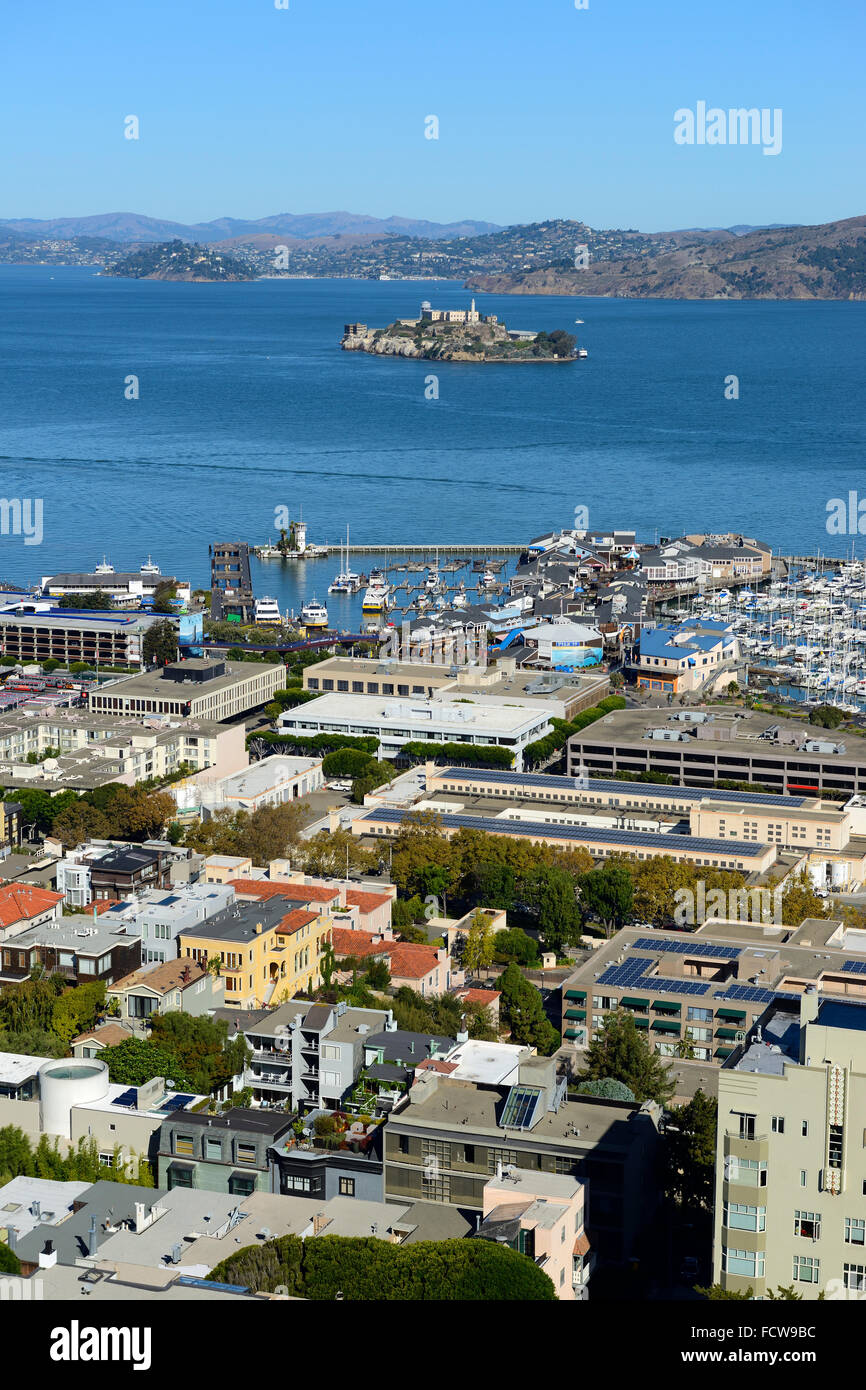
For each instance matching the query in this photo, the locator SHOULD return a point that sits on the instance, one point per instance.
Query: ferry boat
(267, 613)
(375, 598)
(314, 615)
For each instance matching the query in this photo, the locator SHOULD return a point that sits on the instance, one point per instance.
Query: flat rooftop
(153, 685)
(751, 731)
(539, 782)
(384, 711)
(238, 922)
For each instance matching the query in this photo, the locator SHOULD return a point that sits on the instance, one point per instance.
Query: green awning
(641, 1023)
(572, 1033)
(575, 994)
(724, 1051)
(630, 1003)
(726, 1033)
(661, 1026)
(579, 1014)
(731, 1013)
(667, 1005)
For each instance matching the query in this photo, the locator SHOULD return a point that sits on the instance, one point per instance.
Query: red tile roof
(479, 996)
(299, 892)
(430, 1064)
(407, 960)
(21, 901)
(357, 943)
(367, 902)
(293, 921)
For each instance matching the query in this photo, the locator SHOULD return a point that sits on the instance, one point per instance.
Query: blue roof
(837, 1015)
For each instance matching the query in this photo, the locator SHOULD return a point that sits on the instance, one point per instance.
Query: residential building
(423, 968)
(175, 986)
(790, 1168)
(158, 917)
(94, 1042)
(23, 906)
(39, 632)
(308, 1055)
(450, 1136)
(269, 782)
(267, 948)
(201, 688)
(219, 1153)
(541, 1215)
(76, 947)
(698, 654)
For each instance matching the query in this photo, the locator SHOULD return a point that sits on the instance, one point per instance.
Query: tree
(478, 946)
(377, 975)
(515, 944)
(620, 1052)
(160, 643)
(550, 891)
(328, 855)
(79, 823)
(608, 1089)
(799, 900)
(521, 1007)
(608, 893)
(690, 1152)
(9, 1262)
(716, 1293)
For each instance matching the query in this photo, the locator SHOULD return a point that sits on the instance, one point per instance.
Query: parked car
(689, 1269)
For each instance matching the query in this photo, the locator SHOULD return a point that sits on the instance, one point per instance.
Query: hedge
(365, 1268)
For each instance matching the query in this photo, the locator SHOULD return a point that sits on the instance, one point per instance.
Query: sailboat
(346, 582)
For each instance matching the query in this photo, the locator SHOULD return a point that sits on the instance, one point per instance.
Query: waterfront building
(201, 688)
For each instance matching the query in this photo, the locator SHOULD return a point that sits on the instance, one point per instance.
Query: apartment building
(201, 688)
(219, 1153)
(791, 1162)
(79, 749)
(700, 747)
(37, 632)
(23, 905)
(308, 1055)
(75, 947)
(159, 917)
(267, 948)
(270, 782)
(699, 993)
(452, 1135)
(542, 1216)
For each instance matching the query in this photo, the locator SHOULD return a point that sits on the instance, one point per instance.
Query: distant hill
(178, 260)
(134, 227)
(823, 262)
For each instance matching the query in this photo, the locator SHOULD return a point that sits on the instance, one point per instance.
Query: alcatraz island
(460, 335)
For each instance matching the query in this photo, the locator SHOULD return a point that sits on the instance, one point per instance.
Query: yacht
(487, 578)
(346, 582)
(104, 568)
(150, 568)
(267, 613)
(314, 614)
(375, 598)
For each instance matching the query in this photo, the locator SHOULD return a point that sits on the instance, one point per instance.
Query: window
(807, 1224)
(750, 1172)
(854, 1276)
(855, 1230)
(347, 1187)
(213, 1149)
(330, 1053)
(106, 1160)
(834, 1154)
(747, 1124)
(747, 1262)
(183, 1144)
(806, 1269)
(468, 1153)
(804, 1178)
(697, 1015)
(246, 1153)
(745, 1218)
(778, 1124)
(242, 1186)
(804, 1130)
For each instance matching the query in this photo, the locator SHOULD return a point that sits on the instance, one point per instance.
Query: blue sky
(544, 110)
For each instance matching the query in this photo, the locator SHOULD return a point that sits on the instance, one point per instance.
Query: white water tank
(62, 1084)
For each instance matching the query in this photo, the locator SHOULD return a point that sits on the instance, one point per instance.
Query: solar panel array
(546, 781)
(129, 1098)
(752, 994)
(678, 986)
(582, 834)
(683, 948)
(176, 1103)
(631, 970)
(855, 967)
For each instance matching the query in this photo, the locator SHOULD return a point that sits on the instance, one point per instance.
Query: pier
(271, 552)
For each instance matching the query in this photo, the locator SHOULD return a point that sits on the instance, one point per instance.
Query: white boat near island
(314, 615)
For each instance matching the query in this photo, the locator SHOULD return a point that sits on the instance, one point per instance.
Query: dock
(471, 548)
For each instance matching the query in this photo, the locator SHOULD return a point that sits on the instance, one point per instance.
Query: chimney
(808, 1005)
(92, 1237)
(12, 1237)
(390, 1022)
(47, 1256)
(258, 928)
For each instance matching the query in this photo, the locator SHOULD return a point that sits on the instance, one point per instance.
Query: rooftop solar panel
(855, 967)
(547, 782)
(583, 834)
(176, 1103)
(686, 948)
(128, 1098)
